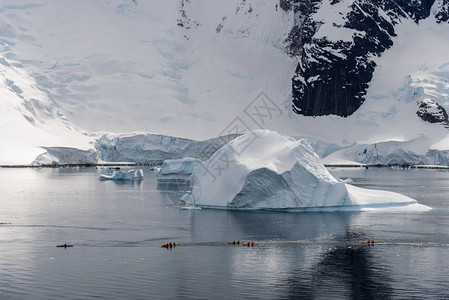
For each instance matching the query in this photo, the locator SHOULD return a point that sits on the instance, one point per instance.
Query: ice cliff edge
(265, 170)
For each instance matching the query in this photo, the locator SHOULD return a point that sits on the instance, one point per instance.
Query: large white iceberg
(265, 170)
(177, 170)
(122, 175)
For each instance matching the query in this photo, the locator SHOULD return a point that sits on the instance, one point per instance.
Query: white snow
(265, 170)
(333, 18)
(123, 175)
(146, 73)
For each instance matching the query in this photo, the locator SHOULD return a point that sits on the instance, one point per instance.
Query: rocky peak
(430, 111)
(336, 42)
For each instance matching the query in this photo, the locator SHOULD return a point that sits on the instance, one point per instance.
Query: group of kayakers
(248, 244)
(252, 244)
(170, 245)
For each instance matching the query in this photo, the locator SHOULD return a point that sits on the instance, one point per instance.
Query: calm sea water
(118, 230)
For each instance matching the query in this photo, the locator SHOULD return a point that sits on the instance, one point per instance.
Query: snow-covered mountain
(30, 118)
(340, 42)
(348, 74)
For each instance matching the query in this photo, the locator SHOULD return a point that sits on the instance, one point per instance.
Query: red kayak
(170, 245)
(234, 243)
(64, 246)
(369, 242)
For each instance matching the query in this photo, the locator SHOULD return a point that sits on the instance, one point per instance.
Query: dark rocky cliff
(332, 76)
(432, 112)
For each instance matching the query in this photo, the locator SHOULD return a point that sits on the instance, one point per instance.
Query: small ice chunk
(190, 207)
(177, 170)
(187, 198)
(348, 181)
(121, 175)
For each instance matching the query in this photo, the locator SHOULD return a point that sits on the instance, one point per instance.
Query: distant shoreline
(118, 164)
(387, 166)
(158, 164)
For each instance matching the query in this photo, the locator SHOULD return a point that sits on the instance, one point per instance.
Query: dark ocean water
(117, 230)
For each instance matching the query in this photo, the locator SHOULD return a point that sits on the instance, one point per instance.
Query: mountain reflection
(351, 271)
(301, 254)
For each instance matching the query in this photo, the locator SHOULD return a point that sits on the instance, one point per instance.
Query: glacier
(265, 170)
(146, 148)
(136, 148)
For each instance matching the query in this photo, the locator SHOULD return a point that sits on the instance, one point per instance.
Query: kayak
(234, 243)
(64, 246)
(370, 243)
(249, 244)
(170, 246)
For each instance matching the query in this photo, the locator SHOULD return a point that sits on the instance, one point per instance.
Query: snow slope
(30, 119)
(265, 170)
(416, 69)
(124, 66)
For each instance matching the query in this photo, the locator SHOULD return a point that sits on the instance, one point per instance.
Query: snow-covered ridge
(391, 153)
(29, 118)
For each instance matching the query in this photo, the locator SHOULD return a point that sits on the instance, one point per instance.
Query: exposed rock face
(336, 42)
(184, 20)
(442, 10)
(430, 111)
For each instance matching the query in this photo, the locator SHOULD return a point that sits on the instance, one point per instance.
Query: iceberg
(121, 175)
(177, 170)
(265, 170)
